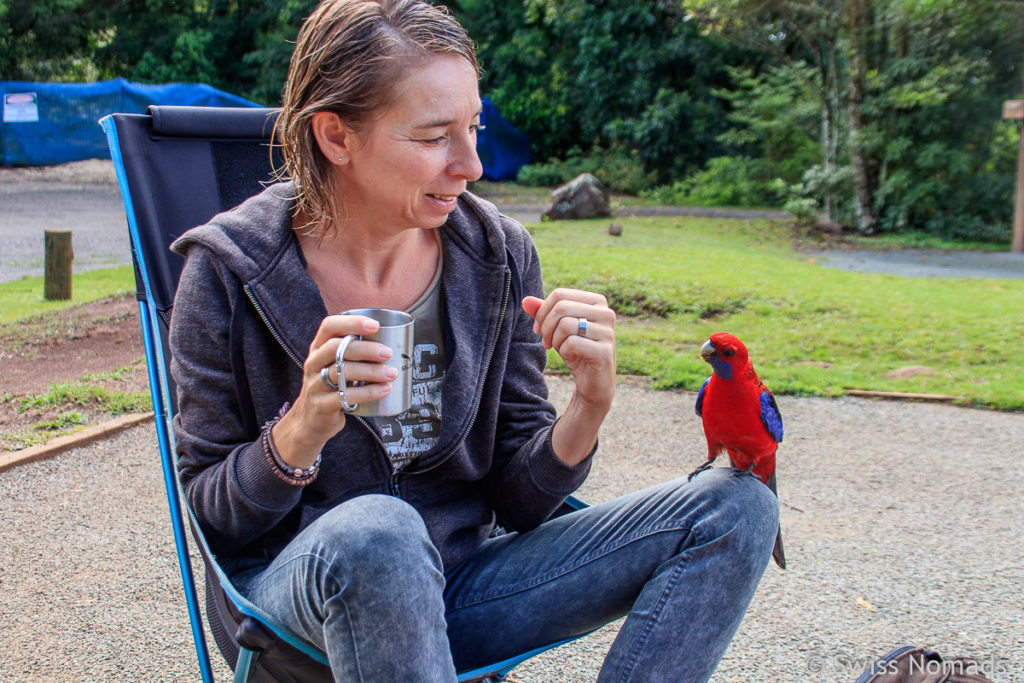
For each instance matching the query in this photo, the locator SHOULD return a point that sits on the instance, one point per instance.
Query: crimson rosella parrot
(740, 415)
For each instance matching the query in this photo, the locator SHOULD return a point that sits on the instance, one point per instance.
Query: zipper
(298, 362)
(382, 449)
(480, 391)
(266, 321)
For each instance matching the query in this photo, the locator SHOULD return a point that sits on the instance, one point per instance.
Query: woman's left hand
(588, 350)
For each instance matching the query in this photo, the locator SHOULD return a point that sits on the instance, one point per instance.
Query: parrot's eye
(728, 352)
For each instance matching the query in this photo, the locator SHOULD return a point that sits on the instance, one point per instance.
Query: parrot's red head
(726, 354)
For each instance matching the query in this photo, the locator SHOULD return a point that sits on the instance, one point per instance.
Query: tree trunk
(830, 109)
(858, 75)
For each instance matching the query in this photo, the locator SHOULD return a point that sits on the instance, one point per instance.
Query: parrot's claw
(708, 464)
(738, 472)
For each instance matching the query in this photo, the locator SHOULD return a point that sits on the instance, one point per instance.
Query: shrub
(620, 170)
(727, 181)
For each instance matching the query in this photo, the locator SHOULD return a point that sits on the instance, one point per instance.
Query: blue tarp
(502, 148)
(54, 123)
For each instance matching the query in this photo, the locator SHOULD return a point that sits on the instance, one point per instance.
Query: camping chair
(177, 167)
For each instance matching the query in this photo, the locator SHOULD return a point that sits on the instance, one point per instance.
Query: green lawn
(22, 299)
(810, 330)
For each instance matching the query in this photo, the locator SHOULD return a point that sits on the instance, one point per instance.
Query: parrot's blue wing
(770, 416)
(700, 397)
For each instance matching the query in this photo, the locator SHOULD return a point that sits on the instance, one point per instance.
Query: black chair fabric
(179, 178)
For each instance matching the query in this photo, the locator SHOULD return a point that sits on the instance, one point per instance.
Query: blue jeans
(681, 560)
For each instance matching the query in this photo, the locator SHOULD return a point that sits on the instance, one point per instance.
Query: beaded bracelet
(296, 476)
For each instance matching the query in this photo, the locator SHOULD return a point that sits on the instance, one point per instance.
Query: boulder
(582, 197)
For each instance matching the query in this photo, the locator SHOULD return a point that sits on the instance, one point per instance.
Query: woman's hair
(348, 57)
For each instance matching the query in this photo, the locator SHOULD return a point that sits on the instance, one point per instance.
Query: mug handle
(339, 365)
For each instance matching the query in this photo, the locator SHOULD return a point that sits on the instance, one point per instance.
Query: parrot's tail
(778, 554)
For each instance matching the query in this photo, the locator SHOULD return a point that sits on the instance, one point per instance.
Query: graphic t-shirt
(415, 431)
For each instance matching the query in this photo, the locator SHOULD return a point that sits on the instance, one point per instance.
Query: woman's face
(412, 162)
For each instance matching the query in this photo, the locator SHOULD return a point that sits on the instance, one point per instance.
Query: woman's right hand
(316, 415)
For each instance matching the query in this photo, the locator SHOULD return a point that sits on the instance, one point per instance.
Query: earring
(341, 160)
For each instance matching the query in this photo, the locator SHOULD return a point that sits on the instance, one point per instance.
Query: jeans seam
(634, 654)
(618, 543)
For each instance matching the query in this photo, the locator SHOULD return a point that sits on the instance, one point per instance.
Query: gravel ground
(926, 262)
(902, 521)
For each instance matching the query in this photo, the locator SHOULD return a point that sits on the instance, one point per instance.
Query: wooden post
(57, 267)
(1014, 109)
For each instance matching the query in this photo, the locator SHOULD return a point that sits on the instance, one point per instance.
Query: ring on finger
(581, 328)
(325, 377)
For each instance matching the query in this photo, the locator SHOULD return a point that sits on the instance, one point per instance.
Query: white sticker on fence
(21, 107)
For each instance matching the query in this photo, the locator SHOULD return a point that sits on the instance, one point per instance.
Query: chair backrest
(182, 166)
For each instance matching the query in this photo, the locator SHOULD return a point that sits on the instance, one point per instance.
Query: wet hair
(348, 57)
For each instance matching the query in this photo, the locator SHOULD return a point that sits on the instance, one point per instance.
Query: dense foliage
(634, 78)
(884, 115)
(909, 94)
(238, 46)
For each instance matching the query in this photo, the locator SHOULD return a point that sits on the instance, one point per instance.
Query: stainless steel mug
(395, 332)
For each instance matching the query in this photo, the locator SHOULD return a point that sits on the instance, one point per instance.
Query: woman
(384, 542)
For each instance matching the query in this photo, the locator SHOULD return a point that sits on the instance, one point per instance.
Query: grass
(23, 299)
(27, 318)
(810, 330)
(919, 240)
(68, 406)
(87, 391)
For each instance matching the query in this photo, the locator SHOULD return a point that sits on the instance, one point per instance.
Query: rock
(615, 229)
(582, 197)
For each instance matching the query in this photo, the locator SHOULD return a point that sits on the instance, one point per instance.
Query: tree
(575, 74)
(910, 90)
(234, 45)
(43, 40)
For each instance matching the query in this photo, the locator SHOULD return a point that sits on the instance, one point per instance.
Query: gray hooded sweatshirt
(244, 316)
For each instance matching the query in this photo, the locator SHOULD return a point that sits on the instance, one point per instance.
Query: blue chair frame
(177, 167)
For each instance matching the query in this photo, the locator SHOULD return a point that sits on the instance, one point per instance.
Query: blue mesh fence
(54, 123)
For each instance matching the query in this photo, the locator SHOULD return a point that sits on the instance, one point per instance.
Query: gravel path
(902, 520)
(926, 262)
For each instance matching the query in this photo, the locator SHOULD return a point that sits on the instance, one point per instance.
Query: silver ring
(581, 330)
(339, 365)
(325, 377)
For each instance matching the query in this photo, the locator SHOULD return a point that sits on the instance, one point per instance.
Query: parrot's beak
(707, 351)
